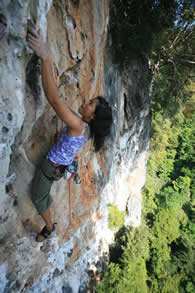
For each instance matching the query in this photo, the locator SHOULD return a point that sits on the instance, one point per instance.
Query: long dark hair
(101, 124)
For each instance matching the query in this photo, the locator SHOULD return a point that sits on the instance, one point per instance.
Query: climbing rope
(70, 204)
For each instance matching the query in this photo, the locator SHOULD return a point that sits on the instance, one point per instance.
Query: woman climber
(95, 122)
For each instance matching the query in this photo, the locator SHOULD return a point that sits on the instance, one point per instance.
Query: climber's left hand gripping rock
(36, 43)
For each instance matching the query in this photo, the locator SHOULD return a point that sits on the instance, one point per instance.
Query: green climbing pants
(44, 177)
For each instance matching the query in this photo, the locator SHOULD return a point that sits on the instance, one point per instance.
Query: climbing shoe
(44, 233)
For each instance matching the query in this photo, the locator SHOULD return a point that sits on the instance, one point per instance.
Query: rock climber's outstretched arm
(36, 43)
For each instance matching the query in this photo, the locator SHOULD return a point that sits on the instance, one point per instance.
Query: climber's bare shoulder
(71, 119)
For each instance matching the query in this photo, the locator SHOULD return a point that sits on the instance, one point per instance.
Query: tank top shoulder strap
(84, 126)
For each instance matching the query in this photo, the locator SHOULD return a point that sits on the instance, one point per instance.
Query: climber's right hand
(36, 43)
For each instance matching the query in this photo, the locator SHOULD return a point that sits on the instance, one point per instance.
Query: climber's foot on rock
(45, 233)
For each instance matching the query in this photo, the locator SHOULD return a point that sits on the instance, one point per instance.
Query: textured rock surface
(76, 33)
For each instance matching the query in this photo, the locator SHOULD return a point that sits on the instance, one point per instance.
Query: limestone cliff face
(76, 32)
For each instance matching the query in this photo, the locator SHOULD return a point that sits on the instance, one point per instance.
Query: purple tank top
(64, 151)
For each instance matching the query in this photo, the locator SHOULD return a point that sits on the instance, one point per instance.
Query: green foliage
(111, 279)
(130, 273)
(170, 187)
(172, 227)
(116, 218)
(135, 24)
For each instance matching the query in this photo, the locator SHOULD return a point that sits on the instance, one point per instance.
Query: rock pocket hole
(76, 2)
(3, 28)
(9, 117)
(32, 77)
(5, 129)
(15, 202)
(3, 19)
(8, 188)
